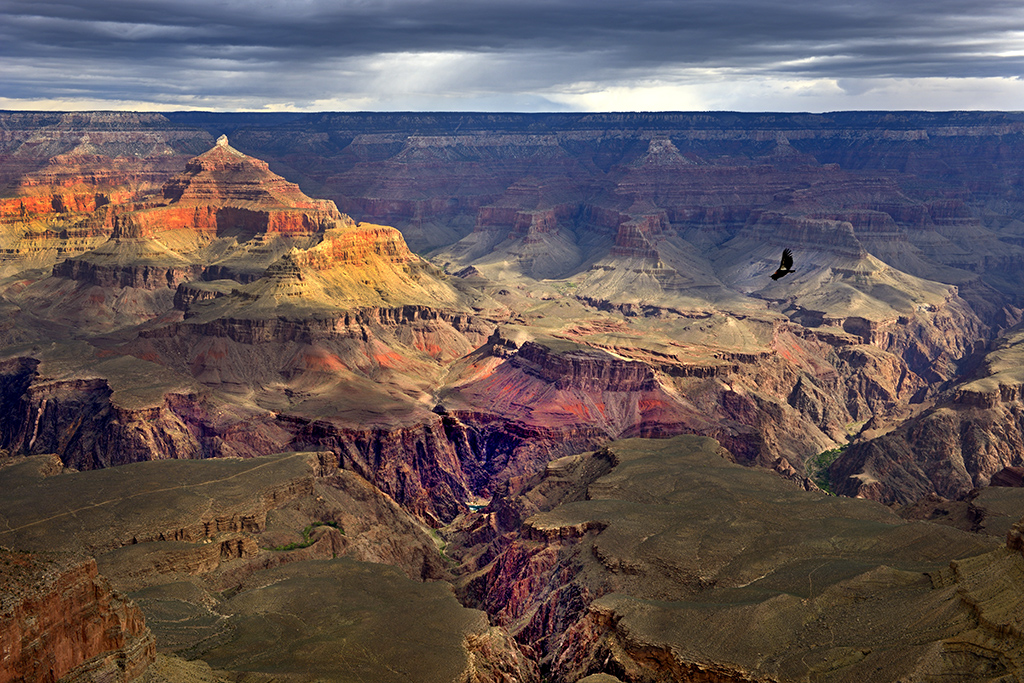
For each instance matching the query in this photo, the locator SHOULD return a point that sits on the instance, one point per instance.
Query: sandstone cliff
(60, 620)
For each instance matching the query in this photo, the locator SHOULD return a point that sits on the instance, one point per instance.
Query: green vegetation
(307, 536)
(442, 547)
(817, 467)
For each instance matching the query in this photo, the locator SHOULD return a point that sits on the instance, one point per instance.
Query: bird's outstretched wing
(787, 260)
(786, 267)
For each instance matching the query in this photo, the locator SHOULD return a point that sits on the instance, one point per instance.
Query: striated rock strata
(60, 620)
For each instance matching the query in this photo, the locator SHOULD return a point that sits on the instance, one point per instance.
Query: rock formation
(620, 554)
(971, 435)
(60, 620)
(203, 550)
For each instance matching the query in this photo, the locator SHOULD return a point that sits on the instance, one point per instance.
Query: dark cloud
(302, 51)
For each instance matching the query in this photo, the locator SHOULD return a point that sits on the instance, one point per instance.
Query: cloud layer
(518, 55)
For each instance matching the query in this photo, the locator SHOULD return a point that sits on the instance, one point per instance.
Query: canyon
(535, 365)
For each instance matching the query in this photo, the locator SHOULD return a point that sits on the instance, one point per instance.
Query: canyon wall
(60, 620)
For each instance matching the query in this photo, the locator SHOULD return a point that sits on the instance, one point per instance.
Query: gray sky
(512, 55)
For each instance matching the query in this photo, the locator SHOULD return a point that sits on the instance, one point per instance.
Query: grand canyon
(482, 398)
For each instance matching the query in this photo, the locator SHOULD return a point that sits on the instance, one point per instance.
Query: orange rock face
(60, 618)
(67, 207)
(224, 190)
(356, 246)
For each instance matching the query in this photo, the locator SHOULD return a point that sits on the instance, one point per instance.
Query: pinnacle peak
(222, 141)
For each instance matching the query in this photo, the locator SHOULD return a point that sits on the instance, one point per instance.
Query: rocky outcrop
(606, 582)
(583, 369)
(223, 175)
(355, 247)
(221, 193)
(585, 394)
(432, 469)
(635, 237)
(1008, 476)
(494, 657)
(116, 276)
(77, 419)
(971, 434)
(1015, 538)
(944, 451)
(60, 620)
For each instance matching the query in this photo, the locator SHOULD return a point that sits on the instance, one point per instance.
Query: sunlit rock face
(252, 197)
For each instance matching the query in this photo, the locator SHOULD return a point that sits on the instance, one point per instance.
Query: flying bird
(786, 267)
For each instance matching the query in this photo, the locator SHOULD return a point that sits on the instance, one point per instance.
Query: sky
(511, 55)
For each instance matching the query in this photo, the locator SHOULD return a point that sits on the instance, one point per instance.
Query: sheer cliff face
(61, 621)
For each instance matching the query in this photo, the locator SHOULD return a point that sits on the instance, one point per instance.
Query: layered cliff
(60, 620)
(222, 199)
(972, 432)
(594, 277)
(63, 175)
(204, 547)
(353, 329)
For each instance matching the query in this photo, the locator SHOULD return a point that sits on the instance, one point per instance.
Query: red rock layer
(223, 191)
(59, 618)
(81, 183)
(223, 174)
(636, 237)
(353, 247)
(215, 220)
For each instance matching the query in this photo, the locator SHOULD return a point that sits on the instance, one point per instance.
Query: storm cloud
(511, 54)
